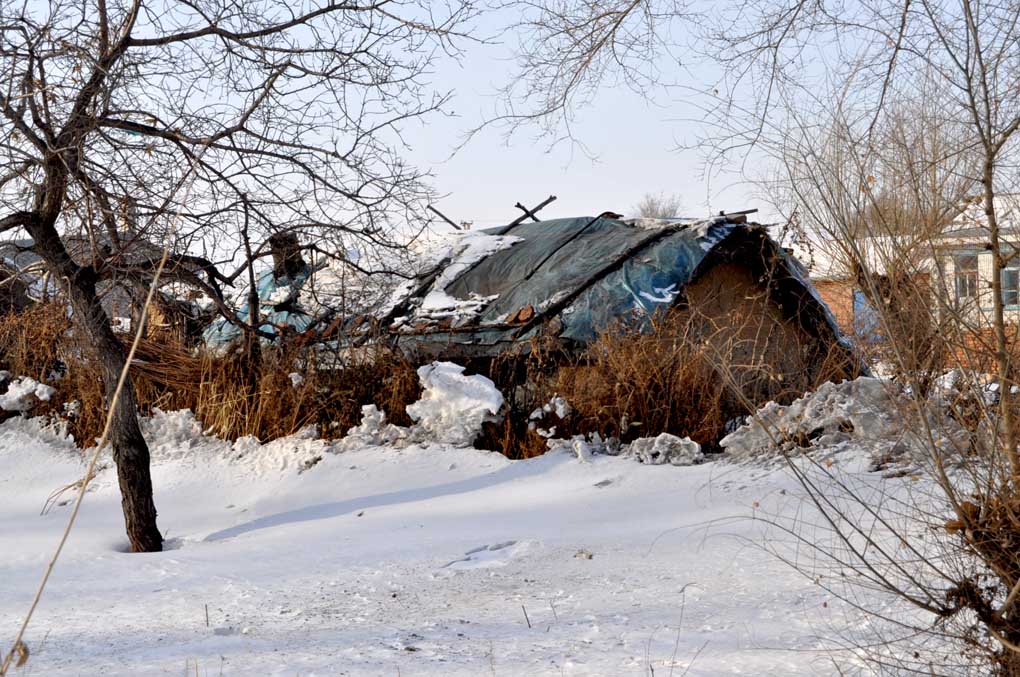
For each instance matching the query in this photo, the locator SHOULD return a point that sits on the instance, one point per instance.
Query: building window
(867, 323)
(966, 271)
(1011, 285)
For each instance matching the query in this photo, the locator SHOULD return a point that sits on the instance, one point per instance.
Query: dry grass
(689, 376)
(681, 378)
(627, 384)
(30, 340)
(232, 394)
(637, 385)
(232, 404)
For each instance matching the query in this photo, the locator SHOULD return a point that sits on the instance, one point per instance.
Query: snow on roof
(466, 249)
(971, 224)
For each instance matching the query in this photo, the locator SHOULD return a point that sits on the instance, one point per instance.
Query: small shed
(574, 278)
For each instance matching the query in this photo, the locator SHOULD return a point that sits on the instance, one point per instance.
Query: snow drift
(867, 412)
(23, 393)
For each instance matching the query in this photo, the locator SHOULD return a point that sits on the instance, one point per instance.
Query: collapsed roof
(585, 274)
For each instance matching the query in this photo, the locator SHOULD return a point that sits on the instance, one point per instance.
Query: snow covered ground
(290, 559)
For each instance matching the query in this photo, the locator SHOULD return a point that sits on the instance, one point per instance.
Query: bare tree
(272, 116)
(659, 206)
(571, 51)
(917, 116)
(827, 95)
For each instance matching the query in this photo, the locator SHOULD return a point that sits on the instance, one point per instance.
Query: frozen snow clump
(556, 405)
(585, 446)
(454, 406)
(870, 412)
(24, 393)
(373, 431)
(665, 449)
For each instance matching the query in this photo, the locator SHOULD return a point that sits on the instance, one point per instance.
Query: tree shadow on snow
(515, 471)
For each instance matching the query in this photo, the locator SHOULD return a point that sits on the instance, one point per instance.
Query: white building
(965, 261)
(957, 264)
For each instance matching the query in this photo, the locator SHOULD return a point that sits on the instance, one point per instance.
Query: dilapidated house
(488, 293)
(574, 278)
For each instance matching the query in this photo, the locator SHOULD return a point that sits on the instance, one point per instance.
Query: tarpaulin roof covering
(277, 308)
(556, 257)
(590, 272)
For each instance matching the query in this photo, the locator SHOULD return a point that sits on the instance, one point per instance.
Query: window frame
(1011, 270)
(965, 279)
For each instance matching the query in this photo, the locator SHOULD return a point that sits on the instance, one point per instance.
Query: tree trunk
(130, 452)
(252, 347)
(1002, 344)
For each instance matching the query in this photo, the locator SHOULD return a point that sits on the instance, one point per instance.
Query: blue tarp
(567, 259)
(867, 324)
(277, 307)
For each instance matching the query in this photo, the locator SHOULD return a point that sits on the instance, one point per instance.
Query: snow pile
(172, 434)
(955, 381)
(451, 411)
(299, 451)
(23, 393)
(454, 406)
(584, 446)
(177, 436)
(868, 412)
(373, 431)
(956, 385)
(665, 449)
(579, 445)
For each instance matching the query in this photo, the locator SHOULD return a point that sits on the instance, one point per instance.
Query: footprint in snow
(488, 556)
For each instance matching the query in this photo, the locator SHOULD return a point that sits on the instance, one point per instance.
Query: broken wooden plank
(529, 212)
(443, 216)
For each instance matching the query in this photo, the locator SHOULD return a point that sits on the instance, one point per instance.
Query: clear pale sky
(634, 143)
